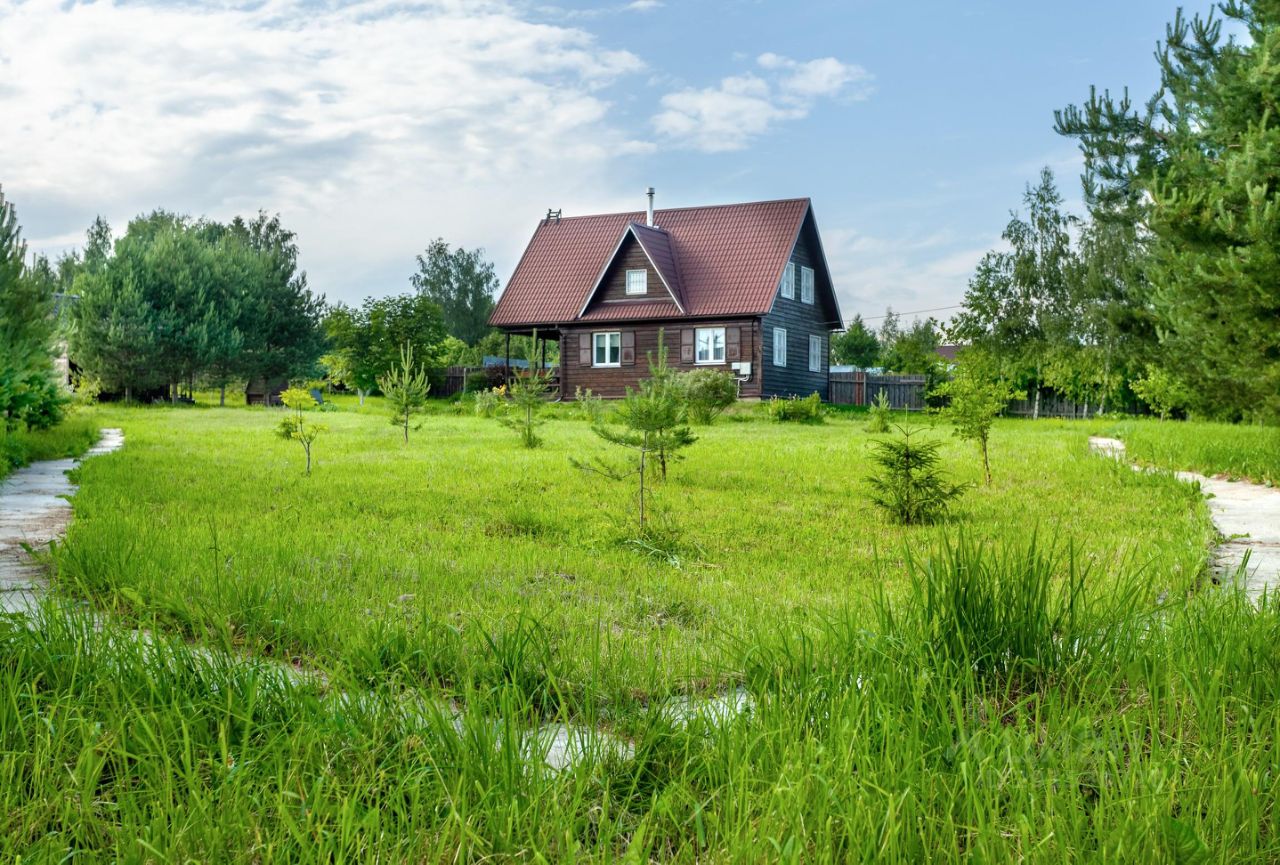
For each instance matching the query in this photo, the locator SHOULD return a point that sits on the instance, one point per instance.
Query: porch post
(506, 370)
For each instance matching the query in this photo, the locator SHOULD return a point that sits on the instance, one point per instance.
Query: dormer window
(787, 288)
(637, 281)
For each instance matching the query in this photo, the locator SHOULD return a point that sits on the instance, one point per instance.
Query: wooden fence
(905, 392)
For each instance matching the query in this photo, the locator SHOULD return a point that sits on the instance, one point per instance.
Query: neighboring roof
(719, 260)
(948, 352)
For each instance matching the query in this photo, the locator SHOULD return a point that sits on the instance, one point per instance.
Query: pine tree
(26, 327)
(405, 388)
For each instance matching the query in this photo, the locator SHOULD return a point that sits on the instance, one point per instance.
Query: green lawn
(924, 693)
(71, 438)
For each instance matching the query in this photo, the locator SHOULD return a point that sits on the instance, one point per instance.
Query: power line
(913, 312)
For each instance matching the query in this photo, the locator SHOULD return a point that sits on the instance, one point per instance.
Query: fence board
(905, 392)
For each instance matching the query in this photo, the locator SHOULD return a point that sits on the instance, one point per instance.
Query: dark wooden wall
(800, 320)
(614, 290)
(612, 382)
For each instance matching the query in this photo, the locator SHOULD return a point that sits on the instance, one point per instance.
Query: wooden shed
(262, 391)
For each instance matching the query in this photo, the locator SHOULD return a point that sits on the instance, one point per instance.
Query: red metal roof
(727, 260)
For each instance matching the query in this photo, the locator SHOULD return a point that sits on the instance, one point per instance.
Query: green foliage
(590, 406)
(490, 401)
(1163, 391)
(1192, 170)
(975, 397)
(910, 484)
(910, 352)
(406, 388)
(707, 393)
(880, 414)
(856, 346)
(175, 300)
(370, 338)
(794, 409)
(27, 392)
(295, 426)
(462, 283)
(527, 398)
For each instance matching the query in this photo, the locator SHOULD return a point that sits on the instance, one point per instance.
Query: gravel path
(1246, 515)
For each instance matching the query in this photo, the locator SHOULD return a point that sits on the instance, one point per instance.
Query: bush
(478, 381)
(911, 485)
(590, 407)
(47, 406)
(490, 401)
(707, 393)
(796, 410)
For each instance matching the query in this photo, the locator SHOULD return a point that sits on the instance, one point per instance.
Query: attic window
(787, 288)
(637, 281)
(806, 284)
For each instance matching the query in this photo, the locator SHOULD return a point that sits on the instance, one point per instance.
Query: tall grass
(1235, 450)
(1151, 735)
(72, 437)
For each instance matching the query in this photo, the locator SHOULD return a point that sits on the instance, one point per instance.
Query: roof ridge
(658, 210)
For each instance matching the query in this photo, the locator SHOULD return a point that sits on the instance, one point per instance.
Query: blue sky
(375, 126)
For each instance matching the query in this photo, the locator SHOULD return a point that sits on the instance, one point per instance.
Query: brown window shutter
(628, 348)
(686, 345)
(732, 343)
(584, 349)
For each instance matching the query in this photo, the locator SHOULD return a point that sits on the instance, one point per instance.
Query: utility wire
(913, 312)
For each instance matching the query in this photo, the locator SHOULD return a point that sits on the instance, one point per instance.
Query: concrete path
(1246, 515)
(34, 510)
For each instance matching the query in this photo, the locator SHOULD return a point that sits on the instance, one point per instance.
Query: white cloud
(908, 273)
(372, 126)
(741, 107)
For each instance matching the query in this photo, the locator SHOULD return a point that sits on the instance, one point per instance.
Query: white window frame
(787, 288)
(815, 353)
(779, 341)
(806, 284)
(697, 346)
(643, 281)
(612, 340)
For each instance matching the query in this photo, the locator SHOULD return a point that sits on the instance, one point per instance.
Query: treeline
(175, 302)
(1168, 289)
(29, 393)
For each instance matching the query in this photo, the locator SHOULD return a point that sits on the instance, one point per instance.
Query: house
(739, 287)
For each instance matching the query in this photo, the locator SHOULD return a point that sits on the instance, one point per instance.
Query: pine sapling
(406, 389)
(527, 395)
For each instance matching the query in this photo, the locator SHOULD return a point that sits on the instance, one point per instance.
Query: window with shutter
(733, 343)
(806, 284)
(584, 349)
(686, 345)
(779, 346)
(608, 348)
(710, 342)
(787, 288)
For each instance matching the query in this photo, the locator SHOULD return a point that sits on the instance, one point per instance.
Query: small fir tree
(881, 412)
(406, 389)
(911, 485)
(295, 427)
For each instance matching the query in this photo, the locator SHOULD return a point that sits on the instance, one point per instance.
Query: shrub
(478, 381)
(590, 406)
(881, 413)
(46, 406)
(491, 401)
(911, 485)
(707, 393)
(796, 410)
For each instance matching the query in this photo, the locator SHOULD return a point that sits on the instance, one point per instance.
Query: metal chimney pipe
(649, 192)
